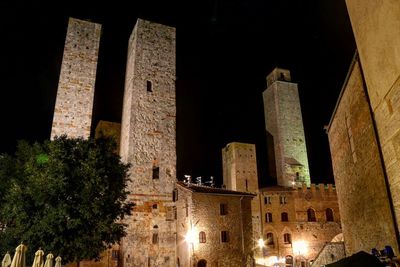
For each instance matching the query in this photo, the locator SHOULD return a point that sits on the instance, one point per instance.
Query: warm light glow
(190, 236)
(270, 261)
(300, 247)
(260, 243)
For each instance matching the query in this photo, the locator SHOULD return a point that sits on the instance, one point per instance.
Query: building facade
(298, 222)
(214, 227)
(376, 28)
(148, 144)
(75, 94)
(358, 169)
(284, 122)
(178, 224)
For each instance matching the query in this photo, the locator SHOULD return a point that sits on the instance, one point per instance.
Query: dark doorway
(202, 263)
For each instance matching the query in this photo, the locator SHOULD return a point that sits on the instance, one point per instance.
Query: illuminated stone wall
(296, 202)
(201, 212)
(376, 27)
(75, 94)
(148, 143)
(240, 173)
(363, 199)
(283, 120)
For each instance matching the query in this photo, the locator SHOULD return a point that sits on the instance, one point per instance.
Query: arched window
(284, 217)
(154, 239)
(268, 217)
(329, 215)
(289, 261)
(270, 239)
(311, 215)
(202, 237)
(287, 238)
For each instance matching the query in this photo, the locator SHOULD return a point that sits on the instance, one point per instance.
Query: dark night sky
(225, 49)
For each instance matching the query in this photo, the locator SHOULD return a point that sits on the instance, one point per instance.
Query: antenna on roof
(187, 179)
(198, 180)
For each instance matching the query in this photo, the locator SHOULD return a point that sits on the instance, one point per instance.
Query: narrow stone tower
(75, 94)
(148, 143)
(284, 122)
(239, 168)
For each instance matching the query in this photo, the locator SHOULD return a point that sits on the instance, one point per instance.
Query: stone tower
(148, 142)
(284, 122)
(239, 168)
(75, 94)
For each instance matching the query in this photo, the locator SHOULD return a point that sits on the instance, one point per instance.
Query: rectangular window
(223, 209)
(268, 217)
(149, 86)
(267, 200)
(282, 199)
(224, 236)
(170, 214)
(156, 172)
(247, 186)
(175, 195)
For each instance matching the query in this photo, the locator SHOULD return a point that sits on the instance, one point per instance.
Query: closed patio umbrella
(49, 260)
(38, 261)
(19, 256)
(6, 260)
(58, 262)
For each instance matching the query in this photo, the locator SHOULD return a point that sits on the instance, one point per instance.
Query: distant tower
(74, 102)
(239, 168)
(284, 122)
(148, 142)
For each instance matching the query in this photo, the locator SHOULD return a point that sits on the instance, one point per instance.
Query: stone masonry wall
(376, 27)
(148, 143)
(240, 174)
(74, 102)
(283, 120)
(296, 203)
(331, 253)
(363, 200)
(203, 214)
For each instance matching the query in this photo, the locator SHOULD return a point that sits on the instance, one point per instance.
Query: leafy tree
(67, 196)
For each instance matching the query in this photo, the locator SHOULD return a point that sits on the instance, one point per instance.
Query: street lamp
(261, 245)
(190, 238)
(300, 248)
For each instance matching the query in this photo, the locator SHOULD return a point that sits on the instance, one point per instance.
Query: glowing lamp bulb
(190, 236)
(261, 243)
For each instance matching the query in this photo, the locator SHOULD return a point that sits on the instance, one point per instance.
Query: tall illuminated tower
(148, 143)
(75, 94)
(283, 121)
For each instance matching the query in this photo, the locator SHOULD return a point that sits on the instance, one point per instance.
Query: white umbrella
(58, 262)
(49, 260)
(19, 256)
(38, 261)
(6, 260)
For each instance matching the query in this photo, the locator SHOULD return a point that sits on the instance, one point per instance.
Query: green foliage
(67, 196)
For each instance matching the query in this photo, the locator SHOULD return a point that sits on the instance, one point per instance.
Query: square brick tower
(148, 142)
(75, 94)
(283, 120)
(239, 168)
